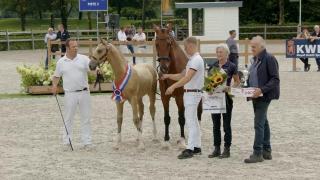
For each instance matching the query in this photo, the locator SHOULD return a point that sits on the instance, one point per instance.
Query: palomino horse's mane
(111, 49)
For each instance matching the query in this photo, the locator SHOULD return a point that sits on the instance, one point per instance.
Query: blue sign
(302, 48)
(93, 5)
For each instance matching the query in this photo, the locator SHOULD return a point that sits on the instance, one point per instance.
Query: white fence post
(8, 41)
(32, 37)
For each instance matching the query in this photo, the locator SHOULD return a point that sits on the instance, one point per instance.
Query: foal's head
(164, 42)
(100, 54)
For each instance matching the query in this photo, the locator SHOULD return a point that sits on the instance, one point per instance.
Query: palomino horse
(172, 60)
(141, 81)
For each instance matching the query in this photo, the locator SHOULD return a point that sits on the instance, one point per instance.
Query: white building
(212, 20)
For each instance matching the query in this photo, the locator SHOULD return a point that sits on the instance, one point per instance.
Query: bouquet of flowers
(215, 81)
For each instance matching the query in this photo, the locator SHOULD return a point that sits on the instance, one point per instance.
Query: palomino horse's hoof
(166, 145)
(181, 143)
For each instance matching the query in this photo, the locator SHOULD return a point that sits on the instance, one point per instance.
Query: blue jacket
(268, 76)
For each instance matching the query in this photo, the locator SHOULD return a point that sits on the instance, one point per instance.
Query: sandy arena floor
(30, 136)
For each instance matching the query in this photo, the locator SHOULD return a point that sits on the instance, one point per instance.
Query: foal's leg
(152, 109)
(165, 103)
(179, 102)
(134, 104)
(119, 121)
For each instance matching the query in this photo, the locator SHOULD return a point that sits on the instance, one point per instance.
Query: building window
(197, 22)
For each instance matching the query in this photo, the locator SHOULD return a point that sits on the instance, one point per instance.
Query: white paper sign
(243, 92)
(215, 103)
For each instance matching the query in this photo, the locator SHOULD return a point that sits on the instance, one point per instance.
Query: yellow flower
(218, 79)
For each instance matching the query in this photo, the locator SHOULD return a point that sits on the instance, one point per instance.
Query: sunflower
(218, 79)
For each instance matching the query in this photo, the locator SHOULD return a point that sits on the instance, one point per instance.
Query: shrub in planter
(38, 76)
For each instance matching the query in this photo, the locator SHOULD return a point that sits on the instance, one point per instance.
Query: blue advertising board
(93, 5)
(302, 48)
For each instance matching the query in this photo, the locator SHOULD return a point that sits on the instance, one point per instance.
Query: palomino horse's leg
(179, 102)
(140, 108)
(199, 111)
(119, 121)
(134, 104)
(152, 109)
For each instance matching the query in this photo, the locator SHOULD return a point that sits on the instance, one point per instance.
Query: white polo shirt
(197, 81)
(139, 37)
(73, 72)
(122, 36)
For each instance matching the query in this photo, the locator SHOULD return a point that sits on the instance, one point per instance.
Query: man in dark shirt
(264, 77)
(315, 36)
(62, 35)
(232, 44)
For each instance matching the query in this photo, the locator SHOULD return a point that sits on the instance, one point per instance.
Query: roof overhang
(208, 4)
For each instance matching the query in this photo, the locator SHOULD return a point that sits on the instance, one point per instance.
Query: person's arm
(274, 80)
(55, 82)
(184, 80)
(175, 77)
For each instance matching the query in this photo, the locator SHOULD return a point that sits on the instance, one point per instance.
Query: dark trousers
(216, 119)
(233, 57)
(46, 63)
(261, 126)
(318, 62)
(305, 61)
(130, 47)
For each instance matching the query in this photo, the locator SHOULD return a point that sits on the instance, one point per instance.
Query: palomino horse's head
(164, 41)
(100, 54)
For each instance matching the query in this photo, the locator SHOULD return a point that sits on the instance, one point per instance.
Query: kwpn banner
(93, 5)
(302, 48)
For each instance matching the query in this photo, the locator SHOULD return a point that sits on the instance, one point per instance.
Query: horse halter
(164, 68)
(169, 42)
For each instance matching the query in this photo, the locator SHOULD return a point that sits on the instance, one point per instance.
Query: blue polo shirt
(229, 67)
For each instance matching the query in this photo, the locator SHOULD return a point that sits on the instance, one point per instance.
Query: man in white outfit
(140, 37)
(193, 81)
(122, 38)
(73, 69)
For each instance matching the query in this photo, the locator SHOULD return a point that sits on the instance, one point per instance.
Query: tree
(281, 12)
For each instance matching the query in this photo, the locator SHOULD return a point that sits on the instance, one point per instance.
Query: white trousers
(71, 101)
(191, 101)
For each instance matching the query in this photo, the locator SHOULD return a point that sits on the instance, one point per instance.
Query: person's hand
(54, 90)
(170, 90)
(226, 89)
(165, 76)
(257, 93)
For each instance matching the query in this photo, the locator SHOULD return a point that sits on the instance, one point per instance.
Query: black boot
(226, 153)
(308, 68)
(197, 151)
(267, 154)
(254, 158)
(215, 153)
(187, 153)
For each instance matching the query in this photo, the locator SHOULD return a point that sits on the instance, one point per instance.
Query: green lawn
(13, 24)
